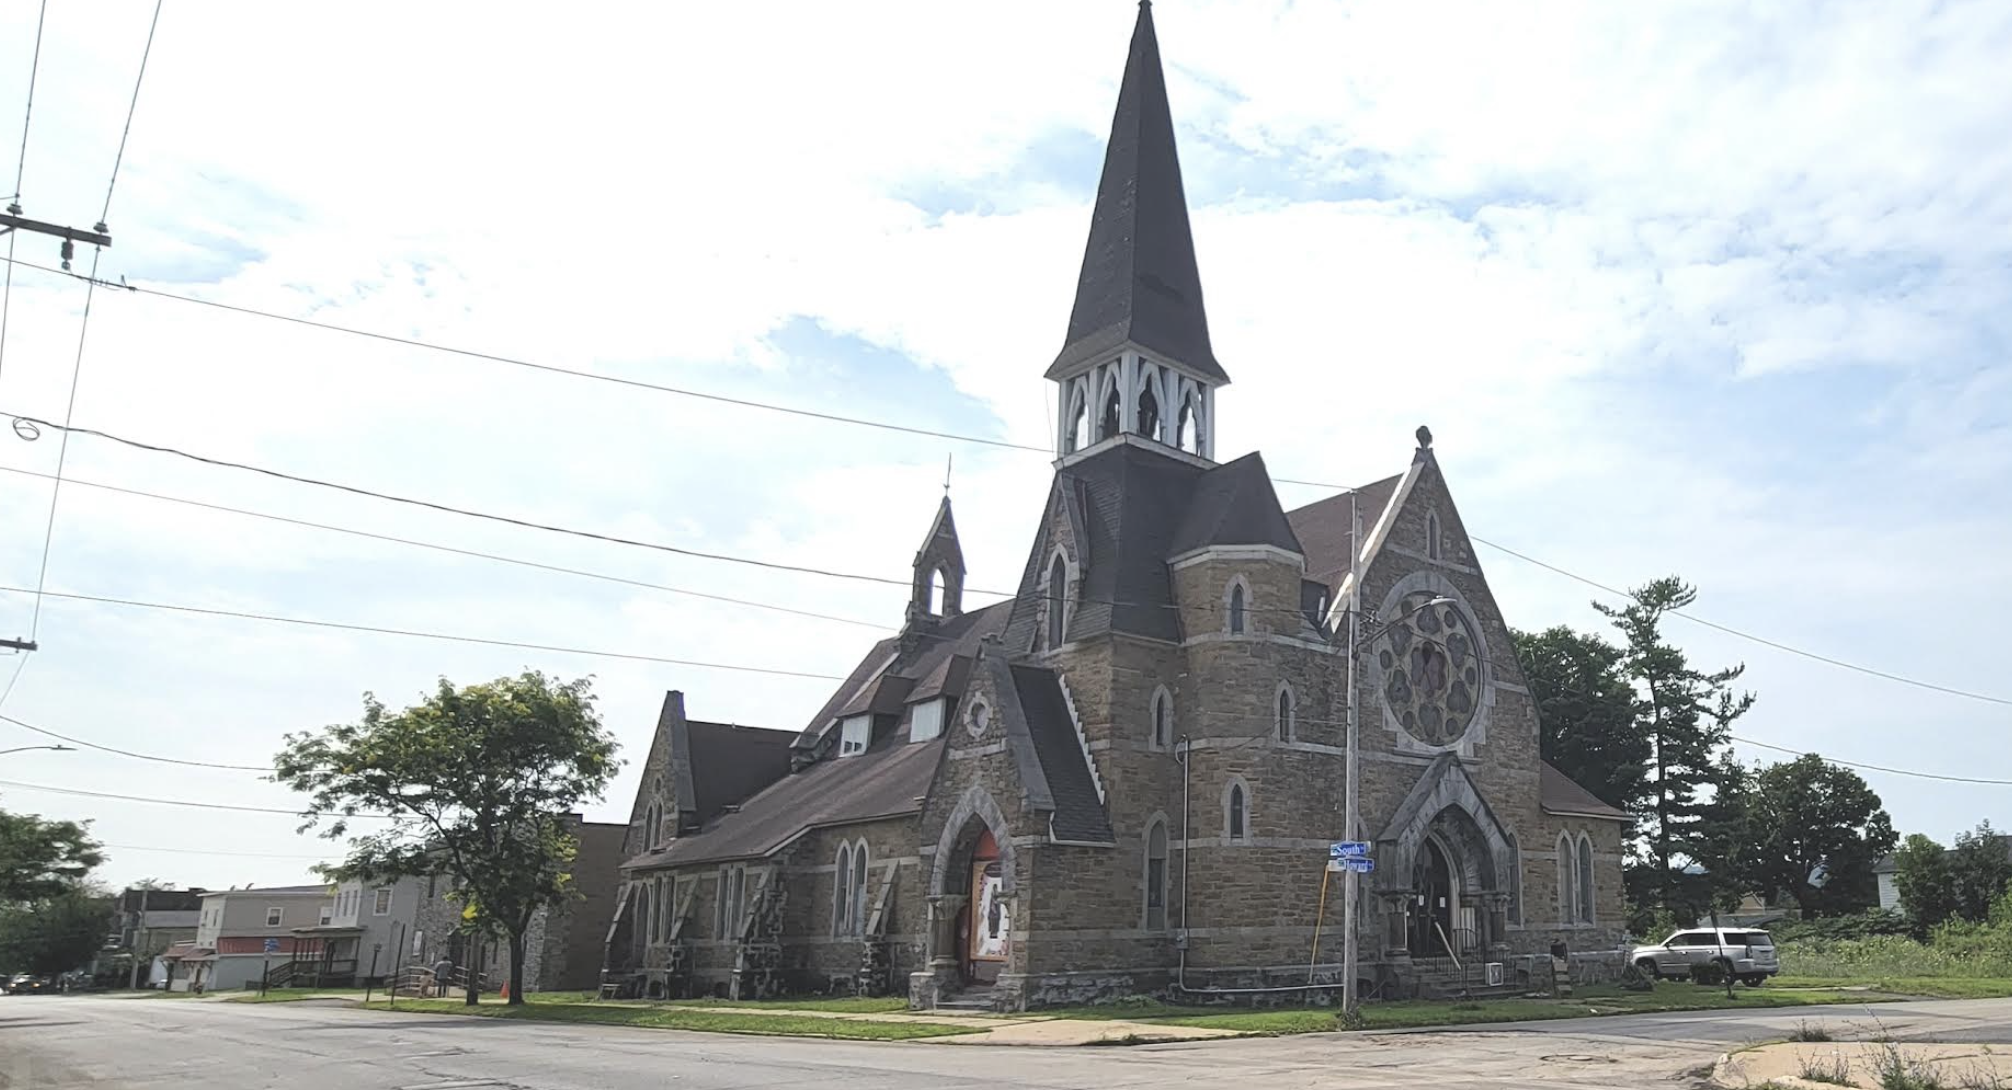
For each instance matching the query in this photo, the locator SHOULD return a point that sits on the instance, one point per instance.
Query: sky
(1705, 289)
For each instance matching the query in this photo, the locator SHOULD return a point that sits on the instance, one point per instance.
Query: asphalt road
(81, 1041)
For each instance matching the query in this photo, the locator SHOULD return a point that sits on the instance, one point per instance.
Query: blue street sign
(1360, 864)
(272, 946)
(1347, 849)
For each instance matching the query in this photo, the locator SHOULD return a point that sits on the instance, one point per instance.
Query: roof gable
(1235, 504)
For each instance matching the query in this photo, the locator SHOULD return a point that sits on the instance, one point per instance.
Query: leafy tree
(1979, 869)
(54, 934)
(1686, 714)
(40, 859)
(1586, 715)
(1926, 881)
(475, 783)
(1813, 831)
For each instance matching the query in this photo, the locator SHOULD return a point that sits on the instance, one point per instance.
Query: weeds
(1836, 1071)
(1897, 1071)
(1806, 1032)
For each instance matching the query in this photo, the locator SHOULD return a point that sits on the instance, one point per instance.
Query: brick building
(1126, 778)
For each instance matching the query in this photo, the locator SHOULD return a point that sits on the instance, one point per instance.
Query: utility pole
(12, 220)
(140, 941)
(1351, 821)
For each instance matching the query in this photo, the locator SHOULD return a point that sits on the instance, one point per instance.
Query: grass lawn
(662, 1016)
(1587, 1002)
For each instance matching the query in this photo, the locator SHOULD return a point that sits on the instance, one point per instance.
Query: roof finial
(947, 461)
(1424, 437)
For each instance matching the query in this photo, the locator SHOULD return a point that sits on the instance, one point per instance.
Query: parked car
(29, 984)
(1744, 954)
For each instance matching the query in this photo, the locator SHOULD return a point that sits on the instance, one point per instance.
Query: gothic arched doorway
(1434, 904)
(985, 925)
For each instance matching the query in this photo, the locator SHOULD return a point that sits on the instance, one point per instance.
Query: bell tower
(1137, 359)
(938, 591)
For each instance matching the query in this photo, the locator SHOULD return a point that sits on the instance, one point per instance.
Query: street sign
(272, 946)
(1347, 849)
(1360, 864)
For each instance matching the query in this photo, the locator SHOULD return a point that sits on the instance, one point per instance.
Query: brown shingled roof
(887, 781)
(1325, 526)
(1560, 794)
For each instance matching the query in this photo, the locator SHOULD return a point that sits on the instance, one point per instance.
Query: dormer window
(925, 721)
(854, 735)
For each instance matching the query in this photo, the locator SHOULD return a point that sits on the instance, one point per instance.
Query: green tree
(1813, 831)
(40, 859)
(1686, 714)
(1926, 882)
(1587, 720)
(56, 933)
(1979, 869)
(474, 784)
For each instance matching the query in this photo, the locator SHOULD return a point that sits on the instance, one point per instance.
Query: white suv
(1746, 955)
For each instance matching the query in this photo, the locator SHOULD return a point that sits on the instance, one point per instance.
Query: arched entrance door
(984, 926)
(1434, 902)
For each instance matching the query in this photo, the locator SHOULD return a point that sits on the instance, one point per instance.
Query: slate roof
(1234, 504)
(1139, 280)
(1133, 502)
(1324, 527)
(1079, 814)
(926, 666)
(1560, 794)
(731, 762)
(868, 667)
(886, 781)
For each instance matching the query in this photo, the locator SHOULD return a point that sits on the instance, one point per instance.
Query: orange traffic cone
(505, 995)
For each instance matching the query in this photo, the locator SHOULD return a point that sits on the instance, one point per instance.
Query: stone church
(1126, 778)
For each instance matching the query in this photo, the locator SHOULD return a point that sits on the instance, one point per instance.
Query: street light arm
(1370, 636)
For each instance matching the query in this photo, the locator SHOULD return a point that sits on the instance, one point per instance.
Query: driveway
(85, 1041)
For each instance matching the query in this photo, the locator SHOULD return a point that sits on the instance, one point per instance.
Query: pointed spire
(1139, 281)
(939, 570)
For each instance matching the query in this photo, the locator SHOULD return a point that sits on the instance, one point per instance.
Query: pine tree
(1586, 714)
(1686, 714)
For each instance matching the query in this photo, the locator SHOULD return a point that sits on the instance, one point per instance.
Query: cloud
(1702, 289)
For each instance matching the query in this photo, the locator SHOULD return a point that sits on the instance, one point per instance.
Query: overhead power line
(81, 793)
(1872, 767)
(206, 851)
(452, 549)
(28, 114)
(132, 107)
(424, 635)
(129, 753)
(888, 426)
(507, 520)
(1762, 640)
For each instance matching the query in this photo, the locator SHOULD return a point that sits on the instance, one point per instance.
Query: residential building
(1126, 777)
(564, 946)
(1887, 872)
(241, 933)
(147, 922)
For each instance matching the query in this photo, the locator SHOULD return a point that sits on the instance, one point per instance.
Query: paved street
(97, 1042)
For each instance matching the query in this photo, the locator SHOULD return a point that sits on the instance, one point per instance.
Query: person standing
(443, 976)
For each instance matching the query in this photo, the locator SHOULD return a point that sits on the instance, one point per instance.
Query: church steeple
(1137, 359)
(938, 592)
